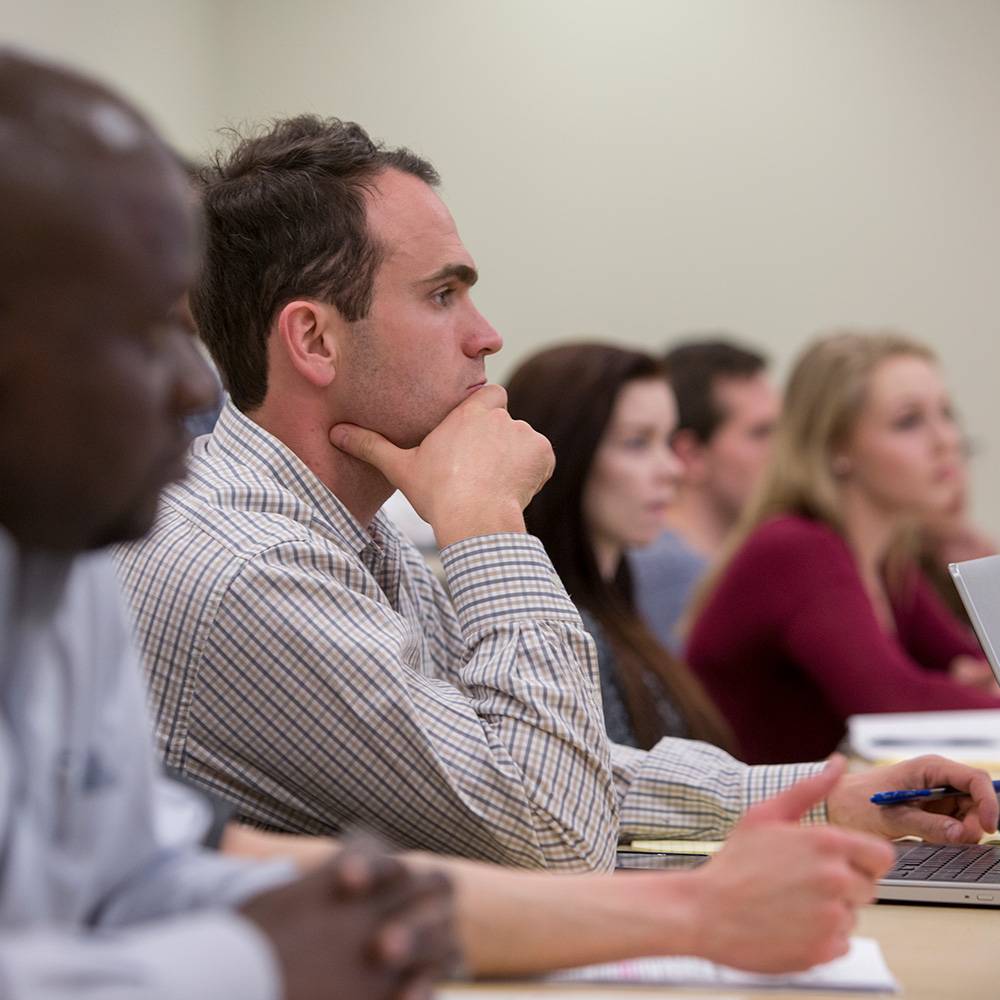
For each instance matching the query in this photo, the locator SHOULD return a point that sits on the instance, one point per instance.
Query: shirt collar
(241, 439)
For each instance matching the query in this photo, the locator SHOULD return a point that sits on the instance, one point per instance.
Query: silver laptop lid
(978, 584)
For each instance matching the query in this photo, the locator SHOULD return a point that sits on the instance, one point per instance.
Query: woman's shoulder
(793, 537)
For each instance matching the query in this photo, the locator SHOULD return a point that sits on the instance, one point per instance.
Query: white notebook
(863, 969)
(970, 735)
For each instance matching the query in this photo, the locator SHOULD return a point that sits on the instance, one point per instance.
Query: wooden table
(936, 953)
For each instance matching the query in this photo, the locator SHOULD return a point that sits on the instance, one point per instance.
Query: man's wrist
(847, 802)
(667, 913)
(492, 519)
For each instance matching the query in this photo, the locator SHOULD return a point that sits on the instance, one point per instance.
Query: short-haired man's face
(98, 373)
(421, 350)
(736, 455)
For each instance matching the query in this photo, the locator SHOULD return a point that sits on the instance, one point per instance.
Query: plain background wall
(640, 168)
(162, 53)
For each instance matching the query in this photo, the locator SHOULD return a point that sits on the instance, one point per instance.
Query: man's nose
(196, 386)
(481, 338)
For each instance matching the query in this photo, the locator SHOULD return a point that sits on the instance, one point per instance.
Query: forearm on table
(517, 922)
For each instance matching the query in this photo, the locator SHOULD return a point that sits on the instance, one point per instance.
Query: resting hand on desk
(973, 672)
(362, 921)
(959, 819)
(780, 896)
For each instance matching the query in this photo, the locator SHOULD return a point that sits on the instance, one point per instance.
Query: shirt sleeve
(687, 790)
(314, 710)
(200, 957)
(929, 629)
(119, 902)
(830, 629)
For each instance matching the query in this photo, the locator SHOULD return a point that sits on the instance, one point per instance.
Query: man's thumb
(368, 446)
(793, 803)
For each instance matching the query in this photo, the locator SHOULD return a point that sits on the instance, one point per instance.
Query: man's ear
(687, 448)
(692, 454)
(309, 336)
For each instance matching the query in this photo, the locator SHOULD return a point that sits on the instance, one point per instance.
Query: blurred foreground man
(102, 891)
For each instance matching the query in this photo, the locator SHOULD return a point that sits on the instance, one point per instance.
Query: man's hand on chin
(953, 820)
(472, 475)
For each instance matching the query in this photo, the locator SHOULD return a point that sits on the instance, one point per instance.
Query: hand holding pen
(935, 817)
(919, 795)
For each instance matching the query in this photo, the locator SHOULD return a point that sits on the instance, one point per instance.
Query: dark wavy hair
(694, 368)
(285, 217)
(568, 393)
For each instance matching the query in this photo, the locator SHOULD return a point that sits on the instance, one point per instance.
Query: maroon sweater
(788, 645)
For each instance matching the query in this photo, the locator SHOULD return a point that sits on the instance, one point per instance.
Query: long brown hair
(568, 393)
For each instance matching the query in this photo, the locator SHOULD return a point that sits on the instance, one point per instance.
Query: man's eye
(157, 336)
(443, 295)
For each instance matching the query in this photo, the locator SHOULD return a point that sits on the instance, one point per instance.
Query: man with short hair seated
(302, 660)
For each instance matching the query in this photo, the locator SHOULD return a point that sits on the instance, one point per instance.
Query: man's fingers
(369, 446)
(938, 771)
(793, 803)
(840, 941)
(938, 828)
(362, 872)
(869, 855)
(490, 397)
(417, 940)
(985, 809)
(420, 988)
(409, 898)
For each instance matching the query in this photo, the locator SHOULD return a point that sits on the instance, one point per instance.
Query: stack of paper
(972, 735)
(862, 969)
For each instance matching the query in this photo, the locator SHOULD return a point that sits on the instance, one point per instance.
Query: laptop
(978, 584)
(963, 875)
(967, 875)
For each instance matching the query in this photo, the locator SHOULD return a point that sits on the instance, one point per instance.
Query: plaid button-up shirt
(316, 674)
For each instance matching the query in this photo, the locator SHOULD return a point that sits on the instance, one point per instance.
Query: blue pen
(919, 794)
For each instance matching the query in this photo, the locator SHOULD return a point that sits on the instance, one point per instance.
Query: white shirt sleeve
(205, 956)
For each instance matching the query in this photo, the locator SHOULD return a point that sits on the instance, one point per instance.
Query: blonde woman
(818, 611)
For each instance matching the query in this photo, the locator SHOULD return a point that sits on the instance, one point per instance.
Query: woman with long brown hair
(819, 611)
(609, 413)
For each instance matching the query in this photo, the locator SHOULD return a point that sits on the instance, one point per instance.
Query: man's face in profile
(737, 454)
(96, 371)
(422, 348)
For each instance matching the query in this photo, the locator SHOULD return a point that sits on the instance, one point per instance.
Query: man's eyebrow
(467, 275)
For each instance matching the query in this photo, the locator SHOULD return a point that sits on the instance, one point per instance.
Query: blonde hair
(824, 395)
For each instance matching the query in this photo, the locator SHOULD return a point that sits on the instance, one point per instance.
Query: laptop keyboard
(938, 863)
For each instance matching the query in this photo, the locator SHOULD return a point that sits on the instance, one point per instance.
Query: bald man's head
(97, 242)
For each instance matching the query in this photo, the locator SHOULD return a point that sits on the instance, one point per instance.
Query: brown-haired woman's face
(634, 473)
(904, 453)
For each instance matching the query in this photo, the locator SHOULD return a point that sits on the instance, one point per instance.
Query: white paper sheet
(972, 735)
(862, 969)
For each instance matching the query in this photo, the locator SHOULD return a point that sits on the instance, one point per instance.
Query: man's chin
(128, 526)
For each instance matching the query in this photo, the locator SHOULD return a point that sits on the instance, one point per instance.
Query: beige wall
(636, 168)
(161, 52)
